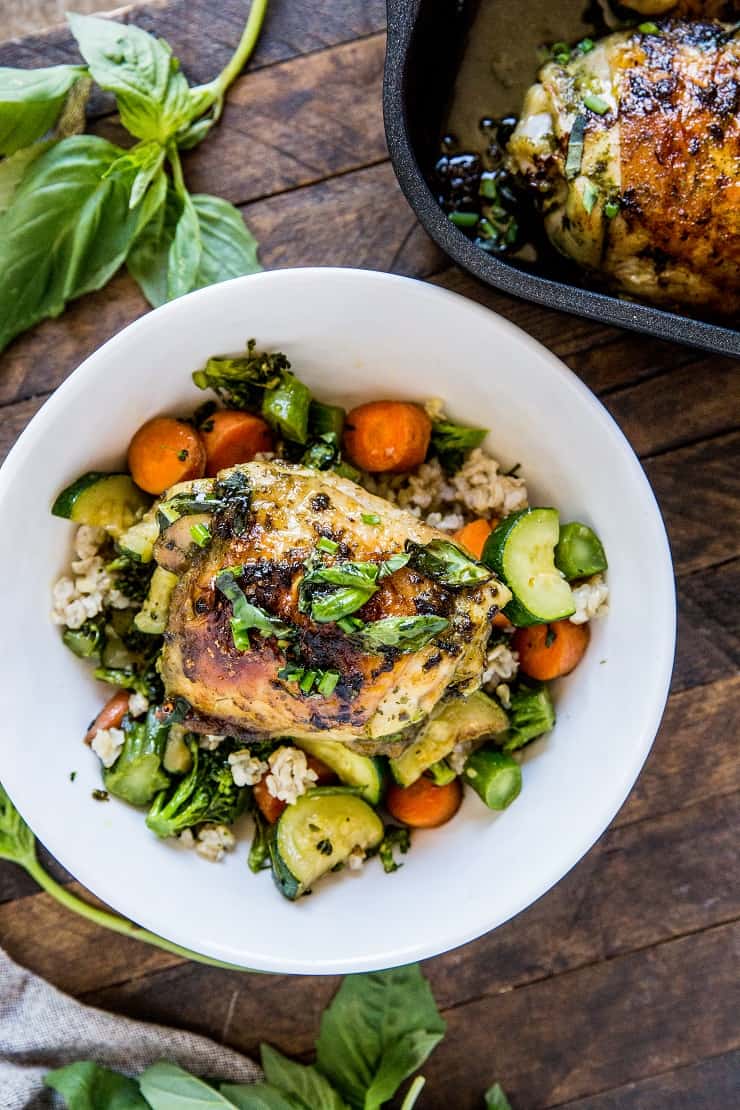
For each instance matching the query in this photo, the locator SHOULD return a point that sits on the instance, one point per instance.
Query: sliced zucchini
(110, 501)
(317, 833)
(138, 540)
(452, 723)
(353, 769)
(152, 617)
(178, 759)
(521, 550)
(115, 655)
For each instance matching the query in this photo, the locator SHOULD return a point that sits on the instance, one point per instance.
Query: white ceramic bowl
(352, 335)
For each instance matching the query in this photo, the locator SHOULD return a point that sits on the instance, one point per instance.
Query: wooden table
(616, 989)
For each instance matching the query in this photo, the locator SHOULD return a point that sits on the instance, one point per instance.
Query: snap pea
(286, 408)
(579, 552)
(495, 776)
(324, 419)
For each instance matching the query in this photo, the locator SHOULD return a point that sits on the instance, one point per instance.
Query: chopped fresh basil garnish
(590, 196)
(370, 518)
(391, 565)
(325, 544)
(247, 616)
(200, 534)
(596, 104)
(403, 633)
(574, 156)
(447, 564)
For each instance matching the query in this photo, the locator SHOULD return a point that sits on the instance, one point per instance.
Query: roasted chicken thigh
(633, 150)
(287, 521)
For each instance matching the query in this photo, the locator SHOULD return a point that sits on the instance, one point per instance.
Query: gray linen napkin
(41, 1029)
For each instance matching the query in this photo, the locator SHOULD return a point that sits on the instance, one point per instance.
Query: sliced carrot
(473, 536)
(501, 621)
(390, 436)
(550, 650)
(270, 807)
(326, 776)
(424, 805)
(110, 716)
(232, 437)
(165, 451)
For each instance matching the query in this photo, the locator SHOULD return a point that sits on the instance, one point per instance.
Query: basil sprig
(447, 564)
(245, 615)
(73, 207)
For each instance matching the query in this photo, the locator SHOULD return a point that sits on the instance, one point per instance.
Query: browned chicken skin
(241, 693)
(654, 204)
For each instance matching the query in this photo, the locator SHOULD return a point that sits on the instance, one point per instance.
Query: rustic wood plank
(203, 35)
(711, 1083)
(702, 529)
(622, 1020)
(548, 1042)
(290, 125)
(694, 758)
(708, 626)
(681, 406)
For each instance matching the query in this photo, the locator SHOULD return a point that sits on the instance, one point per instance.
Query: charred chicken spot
(720, 97)
(715, 131)
(432, 662)
(664, 89)
(428, 604)
(201, 605)
(320, 502)
(694, 145)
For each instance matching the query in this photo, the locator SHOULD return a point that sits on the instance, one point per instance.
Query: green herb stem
(111, 920)
(413, 1093)
(213, 92)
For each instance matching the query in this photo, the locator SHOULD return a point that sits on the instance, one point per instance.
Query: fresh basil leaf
(196, 132)
(146, 159)
(152, 94)
(400, 1060)
(300, 1082)
(185, 253)
(391, 565)
(66, 232)
(148, 258)
(31, 101)
(367, 1017)
(452, 442)
(256, 1096)
(331, 593)
(247, 616)
(360, 575)
(402, 633)
(14, 167)
(496, 1098)
(447, 564)
(88, 1086)
(336, 604)
(169, 1087)
(228, 247)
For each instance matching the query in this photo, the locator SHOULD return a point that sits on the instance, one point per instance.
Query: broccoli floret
(530, 714)
(131, 576)
(87, 642)
(207, 793)
(137, 775)
(240, 382)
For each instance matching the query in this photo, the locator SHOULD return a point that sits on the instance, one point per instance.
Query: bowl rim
(104, 886)
(561, 295)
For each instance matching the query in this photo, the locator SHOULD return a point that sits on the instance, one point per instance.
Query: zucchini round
(454, 723)
(138, 541)
(109, 501)
(152, 617)
(521, 550)
(361, 771)
(320, 831)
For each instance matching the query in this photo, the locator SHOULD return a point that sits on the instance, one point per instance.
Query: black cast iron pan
(425, 41)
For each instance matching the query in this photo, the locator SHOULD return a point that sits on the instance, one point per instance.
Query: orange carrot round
(473, 536)
(550, 650)
(424, 805)
(501, 621)
(110, 716)
(390, 436)
(165, 451)
(232, 437)
(269, 806)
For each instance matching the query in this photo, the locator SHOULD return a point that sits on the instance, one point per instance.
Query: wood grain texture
(712, 1083)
